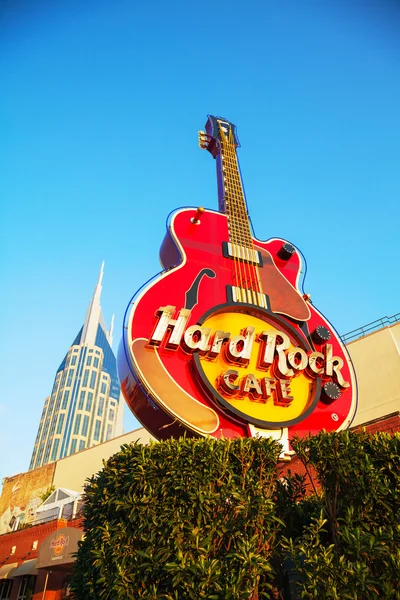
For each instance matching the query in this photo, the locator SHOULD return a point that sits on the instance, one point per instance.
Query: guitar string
(245, 240)
(228, 207)
(253, 252)
(236, 234)
(239, 226)
(241, 287)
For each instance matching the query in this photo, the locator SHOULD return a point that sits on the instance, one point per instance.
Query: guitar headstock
(218, 131)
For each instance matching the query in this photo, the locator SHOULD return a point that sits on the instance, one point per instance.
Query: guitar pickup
(246, 255)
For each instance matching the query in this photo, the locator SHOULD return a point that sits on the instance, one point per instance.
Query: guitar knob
(286, 251)
(321, 334)
(330, 392)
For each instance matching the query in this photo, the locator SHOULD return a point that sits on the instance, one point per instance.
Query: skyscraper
(85, 407)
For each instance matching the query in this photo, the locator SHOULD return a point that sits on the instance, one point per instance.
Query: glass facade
(85, 387)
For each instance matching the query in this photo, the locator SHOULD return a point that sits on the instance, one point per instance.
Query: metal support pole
(45, 584)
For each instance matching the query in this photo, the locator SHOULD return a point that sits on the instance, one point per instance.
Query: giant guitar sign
(223, 342)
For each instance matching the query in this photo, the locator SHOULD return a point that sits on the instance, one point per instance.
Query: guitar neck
(231, 198)
(221, 141)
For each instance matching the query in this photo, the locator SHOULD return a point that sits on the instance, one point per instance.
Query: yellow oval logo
(260, 371)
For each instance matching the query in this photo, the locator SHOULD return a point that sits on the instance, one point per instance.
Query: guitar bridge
(239, 294)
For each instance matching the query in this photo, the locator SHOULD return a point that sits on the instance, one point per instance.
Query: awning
(58, 549)
(28, 567)
(5, 570)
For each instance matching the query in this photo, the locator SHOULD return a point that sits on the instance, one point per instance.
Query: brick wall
(23, 541)
(388, 424)
(21, 495)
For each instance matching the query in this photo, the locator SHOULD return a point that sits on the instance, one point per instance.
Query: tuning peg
(204, 140)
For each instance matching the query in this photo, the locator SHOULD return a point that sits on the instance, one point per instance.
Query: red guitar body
(160, 384)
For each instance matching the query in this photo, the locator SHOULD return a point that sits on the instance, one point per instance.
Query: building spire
(93, 314)
(100, 279)
(110, 331)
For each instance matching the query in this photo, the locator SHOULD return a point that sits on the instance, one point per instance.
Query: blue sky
(100, 105)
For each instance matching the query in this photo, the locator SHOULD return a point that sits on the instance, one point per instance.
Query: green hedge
(181, 519)
(196, 519)
(348, 545)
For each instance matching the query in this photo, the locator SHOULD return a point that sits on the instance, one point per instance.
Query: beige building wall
(376, 359)
(71, 472)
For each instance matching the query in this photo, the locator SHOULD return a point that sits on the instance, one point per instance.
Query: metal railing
(374, 326)
(56, 517)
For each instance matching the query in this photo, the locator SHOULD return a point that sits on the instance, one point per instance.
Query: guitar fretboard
(234, 203)
(221, 142)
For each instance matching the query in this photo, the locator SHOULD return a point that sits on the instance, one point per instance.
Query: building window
(55, 448)
(63, 378)
(109, 432)
(96, 434)
(85, 377)
(111, 415)
(82, 444)
(73, 360)
(70, 376)
(85, 425)
(65, 400)
(53, 424)
(81, 400)
(91, 351)
(5, 589)
(40, 454)
(89, 361)
(77, 424)
(73, 445)
(46, 427)
(26, 588)
(100, 408)
(89, 401)
(93, 380)
(58, 401)
(95, 362)
(60, 423)
(47, 452)
(103, 388)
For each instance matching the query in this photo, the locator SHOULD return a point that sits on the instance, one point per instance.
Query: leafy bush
(181, 519)
(350, 548)
(197, 519)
